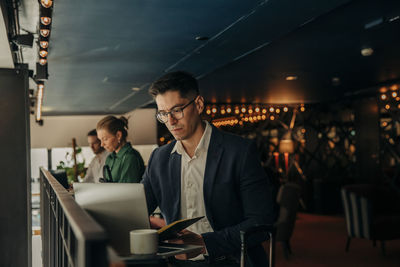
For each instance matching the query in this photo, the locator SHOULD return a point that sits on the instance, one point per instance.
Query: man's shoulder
(164, 150)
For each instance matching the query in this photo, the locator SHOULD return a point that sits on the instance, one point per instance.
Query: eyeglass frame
(171, 112)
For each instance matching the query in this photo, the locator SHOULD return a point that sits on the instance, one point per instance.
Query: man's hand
(189, 238)
(156, 222)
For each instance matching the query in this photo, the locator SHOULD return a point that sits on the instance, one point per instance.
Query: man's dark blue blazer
(237, 192)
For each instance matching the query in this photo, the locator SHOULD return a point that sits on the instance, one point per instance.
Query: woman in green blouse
(124, 163)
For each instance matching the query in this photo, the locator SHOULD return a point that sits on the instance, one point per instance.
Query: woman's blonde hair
(113, 124)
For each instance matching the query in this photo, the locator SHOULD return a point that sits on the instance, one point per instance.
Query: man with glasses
(209, 173)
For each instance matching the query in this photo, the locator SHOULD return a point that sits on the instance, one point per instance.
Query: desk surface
(165, 251)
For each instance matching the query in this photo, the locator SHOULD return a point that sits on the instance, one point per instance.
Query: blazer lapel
(214, 154)
(175, 185)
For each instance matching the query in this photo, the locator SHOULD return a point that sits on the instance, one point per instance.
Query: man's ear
(199, 104)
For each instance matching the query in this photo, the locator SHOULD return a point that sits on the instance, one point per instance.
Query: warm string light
(246, 113)
(390, 97)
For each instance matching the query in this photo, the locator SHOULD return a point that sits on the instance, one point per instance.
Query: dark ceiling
(104, 54)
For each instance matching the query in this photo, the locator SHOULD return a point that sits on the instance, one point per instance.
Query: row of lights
(391, 91)
(390, 96)
(246, 114)
(231, 121)
(45, 11)
(247, 109)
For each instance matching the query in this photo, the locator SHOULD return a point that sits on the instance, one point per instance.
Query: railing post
(69, 235)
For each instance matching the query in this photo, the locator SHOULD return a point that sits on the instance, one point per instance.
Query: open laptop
(120, 208)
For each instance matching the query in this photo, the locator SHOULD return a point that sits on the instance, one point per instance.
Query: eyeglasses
(177, 113)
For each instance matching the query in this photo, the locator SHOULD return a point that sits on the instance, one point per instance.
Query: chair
(259, 229)
(288, 200)
(371, 212)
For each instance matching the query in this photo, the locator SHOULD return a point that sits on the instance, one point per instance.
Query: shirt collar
(122, 151)
(203, 144)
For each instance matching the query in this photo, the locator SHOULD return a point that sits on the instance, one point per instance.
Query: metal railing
(70, 237)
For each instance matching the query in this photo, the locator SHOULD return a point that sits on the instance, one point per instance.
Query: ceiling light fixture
(42, 61)
(43, 53)
(46, 3)
(367, 51)
(39, 101)
(45, 20)
(291, 78)
(44, 44)
(44, 32)
(335, 81)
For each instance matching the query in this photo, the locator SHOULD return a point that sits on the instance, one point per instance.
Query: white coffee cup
(144, 241)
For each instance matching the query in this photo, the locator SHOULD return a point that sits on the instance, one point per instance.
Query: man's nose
(171, 119)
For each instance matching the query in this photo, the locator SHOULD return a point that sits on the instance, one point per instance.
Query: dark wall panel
(15, 222)
(367, 136)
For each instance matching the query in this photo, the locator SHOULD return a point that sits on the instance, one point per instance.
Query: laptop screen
(117, 207)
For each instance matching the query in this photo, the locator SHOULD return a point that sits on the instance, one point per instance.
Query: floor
(320, 241)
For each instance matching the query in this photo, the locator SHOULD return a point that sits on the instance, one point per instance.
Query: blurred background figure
(95, 169)
(124, 164)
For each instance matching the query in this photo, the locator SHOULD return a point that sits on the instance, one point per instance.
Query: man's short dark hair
(92, 133)
(180, 81)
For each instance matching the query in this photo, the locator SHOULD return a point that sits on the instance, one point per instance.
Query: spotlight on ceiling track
(45, 32)
(42, 61)
(44, 44)
(43, 53)
(45, 20)
(46, 3)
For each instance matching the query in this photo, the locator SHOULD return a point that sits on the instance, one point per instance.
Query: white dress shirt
(95, 169)
(192, 180)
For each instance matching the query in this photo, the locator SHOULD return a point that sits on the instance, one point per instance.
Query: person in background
(206, 172)
(95, 169)
(124, 164)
